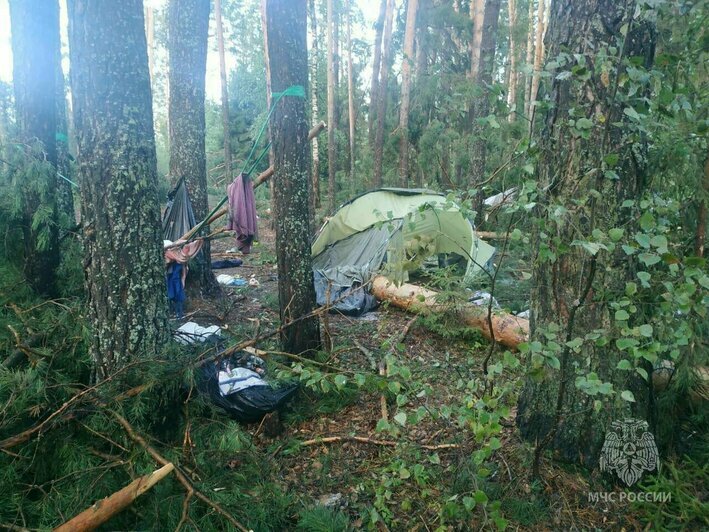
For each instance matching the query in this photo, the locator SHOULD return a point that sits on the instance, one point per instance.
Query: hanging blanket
(242, 213)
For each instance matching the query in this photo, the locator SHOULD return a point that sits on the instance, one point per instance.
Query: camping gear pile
(236, 385)
(391, 231)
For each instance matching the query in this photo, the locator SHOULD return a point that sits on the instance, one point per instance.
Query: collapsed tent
(390, 231)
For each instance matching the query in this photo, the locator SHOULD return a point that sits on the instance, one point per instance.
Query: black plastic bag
(248, 405)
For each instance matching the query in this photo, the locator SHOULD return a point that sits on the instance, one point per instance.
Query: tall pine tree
(288, 60)
(35, 48)
(188, 25)
(122, 237)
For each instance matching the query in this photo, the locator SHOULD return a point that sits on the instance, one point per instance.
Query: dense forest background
(588, 118)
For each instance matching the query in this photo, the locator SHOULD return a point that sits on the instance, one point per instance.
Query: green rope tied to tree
(297, 91)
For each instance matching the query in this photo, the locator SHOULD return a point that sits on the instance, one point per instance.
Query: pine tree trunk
(337, 63)
(188, 24)
(331, 125)
(35, 49)
(225, 89)
(477, 15)
(409, 33)
(570, 293)
(480, 105)
(538, 58)
(288, 59)
(125, 278)
(315, 116)
(350, 95)
(382, 93)
(376, 71)
(512, 83)
(529, 56)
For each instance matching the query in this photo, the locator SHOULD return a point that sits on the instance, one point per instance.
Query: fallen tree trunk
(508, 330)
(106, 508)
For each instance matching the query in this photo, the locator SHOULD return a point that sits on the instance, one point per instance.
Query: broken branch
(103, 510)
(362, 439)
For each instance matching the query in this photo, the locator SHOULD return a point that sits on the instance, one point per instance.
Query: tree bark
(150, 38)
(225, 89)
(570, 290)
(528, 59)
(382, 93)
(65, 194)
(188, 26)
(331, 126)
(315, 116)
(477, 15)
(350, 95)
(376, 69)
(125, 279)
(288, 59)
(480, 105)
(35, 49)
(538, 58)
(271, 156)
(512, 84)
(411, 10)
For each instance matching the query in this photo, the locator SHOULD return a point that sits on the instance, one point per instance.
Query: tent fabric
(391, 231)
(178, 217)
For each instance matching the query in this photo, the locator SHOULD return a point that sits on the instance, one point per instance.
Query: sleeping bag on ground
(242, 392)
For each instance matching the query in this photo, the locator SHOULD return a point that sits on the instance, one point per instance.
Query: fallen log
(509, 330)
(103, 510)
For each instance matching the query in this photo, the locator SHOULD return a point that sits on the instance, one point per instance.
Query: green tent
(392, 231)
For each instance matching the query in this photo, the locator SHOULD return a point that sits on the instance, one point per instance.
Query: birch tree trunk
(288, 58)
(528, 60)
(315, 116)
(376, 72)
(35, 48)
(125, 278)
(382, 93)
(331, 125)
(225, 89)
(512, 84)
(570, 293)
(150, 37)
(350, 94)
(538, 57)
(408, 59)
(65, 194)
(188, 25)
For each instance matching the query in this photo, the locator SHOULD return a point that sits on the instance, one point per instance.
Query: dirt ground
(358, 473)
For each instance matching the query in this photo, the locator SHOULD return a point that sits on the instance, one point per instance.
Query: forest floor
(420, 482)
